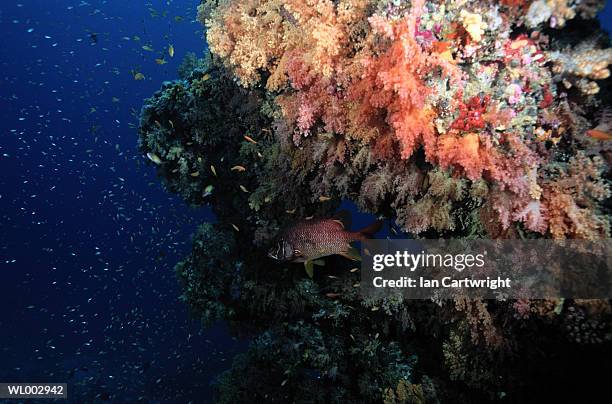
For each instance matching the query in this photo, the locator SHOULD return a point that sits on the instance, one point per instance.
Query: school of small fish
(89, 236)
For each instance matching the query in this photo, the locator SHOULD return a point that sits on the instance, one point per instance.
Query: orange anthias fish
(603, 131)
(310, 240)
(599, 134)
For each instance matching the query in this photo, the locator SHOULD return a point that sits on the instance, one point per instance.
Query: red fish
(310, 240)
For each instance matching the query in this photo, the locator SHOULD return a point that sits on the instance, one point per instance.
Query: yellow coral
(257, 35)
(582, 66)
(473, 24)
(248, 35)
(562, 11)
(592, 64)
(535, 191)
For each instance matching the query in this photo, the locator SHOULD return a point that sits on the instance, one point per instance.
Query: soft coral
(472, 113)
(395, 83)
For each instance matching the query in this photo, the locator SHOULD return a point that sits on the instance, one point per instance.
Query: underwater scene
(306, 201)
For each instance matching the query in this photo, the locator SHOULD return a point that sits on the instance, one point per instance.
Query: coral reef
(455, 119)
(448, 82)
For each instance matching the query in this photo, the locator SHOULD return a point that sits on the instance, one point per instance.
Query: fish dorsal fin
(344, 218)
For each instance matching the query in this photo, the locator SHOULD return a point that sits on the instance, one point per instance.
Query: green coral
(207, 273)
(300, 363)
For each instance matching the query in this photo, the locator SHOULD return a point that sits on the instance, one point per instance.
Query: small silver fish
(154, 158)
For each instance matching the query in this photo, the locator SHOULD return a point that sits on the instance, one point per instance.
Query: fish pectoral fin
(352, 253)
(308, 265)
(319, 262)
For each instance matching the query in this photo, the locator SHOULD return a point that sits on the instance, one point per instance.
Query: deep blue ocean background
(89, 237)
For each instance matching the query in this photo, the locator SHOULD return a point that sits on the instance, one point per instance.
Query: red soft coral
(471, 114)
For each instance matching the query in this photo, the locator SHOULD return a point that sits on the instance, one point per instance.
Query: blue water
(89, 237)
(605, 17)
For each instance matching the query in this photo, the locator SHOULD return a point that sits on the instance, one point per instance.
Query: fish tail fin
(369, 231)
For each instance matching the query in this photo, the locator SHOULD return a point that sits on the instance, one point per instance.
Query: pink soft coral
(533, 215)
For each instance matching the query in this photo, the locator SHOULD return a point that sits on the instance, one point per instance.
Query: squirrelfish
(310, 240)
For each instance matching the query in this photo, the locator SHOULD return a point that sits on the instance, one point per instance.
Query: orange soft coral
(464, 151)
(394, 82)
